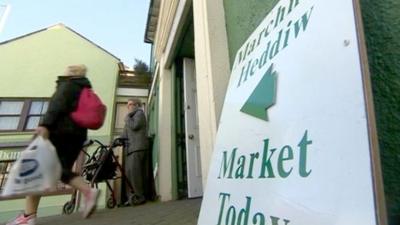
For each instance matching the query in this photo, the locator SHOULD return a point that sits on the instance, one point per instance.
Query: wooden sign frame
(379, 194)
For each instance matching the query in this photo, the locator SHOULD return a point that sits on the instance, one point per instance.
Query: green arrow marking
(262, 97)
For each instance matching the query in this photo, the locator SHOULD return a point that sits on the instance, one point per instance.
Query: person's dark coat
(66, 136)
(135, 131)
(64, 101)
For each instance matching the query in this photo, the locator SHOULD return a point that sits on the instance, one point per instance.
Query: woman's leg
(90, 195)
(68, 153)
(68, 147)
(31, 204)
(78, 183)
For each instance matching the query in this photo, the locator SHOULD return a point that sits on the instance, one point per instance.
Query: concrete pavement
(182, 212)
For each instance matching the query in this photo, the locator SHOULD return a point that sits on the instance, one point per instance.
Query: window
(122, 110)
(10, 114)
(21, 114)
(36, 110)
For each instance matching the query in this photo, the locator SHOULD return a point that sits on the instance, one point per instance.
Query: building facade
(194, 47)
(29, 67)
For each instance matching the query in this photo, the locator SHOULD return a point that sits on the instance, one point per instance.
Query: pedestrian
(137, 151)
(67, 137)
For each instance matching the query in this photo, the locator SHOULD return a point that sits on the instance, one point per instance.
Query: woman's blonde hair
(75, 70)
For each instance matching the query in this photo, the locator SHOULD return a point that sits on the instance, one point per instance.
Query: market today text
(274, 163)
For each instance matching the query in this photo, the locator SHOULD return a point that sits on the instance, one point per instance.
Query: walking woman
(68, 139)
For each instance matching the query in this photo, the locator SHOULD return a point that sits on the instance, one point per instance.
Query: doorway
(189, 178)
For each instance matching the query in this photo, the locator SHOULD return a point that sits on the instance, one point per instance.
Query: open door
(194, 179)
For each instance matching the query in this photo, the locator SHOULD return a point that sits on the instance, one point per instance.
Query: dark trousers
(68, 147)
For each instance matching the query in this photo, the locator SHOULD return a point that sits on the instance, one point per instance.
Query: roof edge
(59, 25)
(147, 38)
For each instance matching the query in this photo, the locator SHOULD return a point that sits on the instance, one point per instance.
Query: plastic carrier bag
(37, 169)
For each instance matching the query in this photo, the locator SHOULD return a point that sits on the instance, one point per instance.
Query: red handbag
(90, 111)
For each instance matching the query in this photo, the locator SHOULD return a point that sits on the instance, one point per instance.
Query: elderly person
(136, 154)
(67, 137)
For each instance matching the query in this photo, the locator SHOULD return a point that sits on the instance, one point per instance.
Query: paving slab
(181, 212)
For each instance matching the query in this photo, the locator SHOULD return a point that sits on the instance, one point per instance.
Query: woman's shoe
(90, 202)
(21, 219)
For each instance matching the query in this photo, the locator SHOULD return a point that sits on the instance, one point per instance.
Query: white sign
(293, 146)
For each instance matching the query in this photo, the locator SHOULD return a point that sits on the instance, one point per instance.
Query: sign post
(296, 142)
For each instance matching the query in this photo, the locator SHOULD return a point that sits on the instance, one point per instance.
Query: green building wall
(153, 111)
(29, 67)
(382, 30)
(242, 17)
